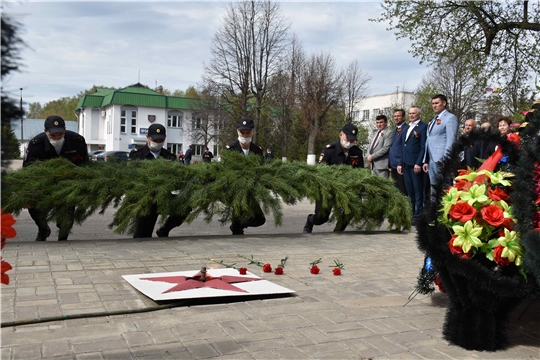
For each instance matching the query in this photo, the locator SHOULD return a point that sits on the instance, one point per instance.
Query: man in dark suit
(412, 157)
(396, 149)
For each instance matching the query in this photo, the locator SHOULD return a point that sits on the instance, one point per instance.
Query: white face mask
(154, 146)
(346, 145)
(244, 140)
(59, 142)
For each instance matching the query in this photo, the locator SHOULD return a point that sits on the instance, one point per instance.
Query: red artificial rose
(314, 270)
(462, 172)
(462, 185)
(493, 214)
(4, 278)
(497, 194)
(279, 271)
(243, 271)
(267, 268)
(497, 252)
(462, 212)
(457, 250)
(337, 271)
(438, 282)
(7, 226)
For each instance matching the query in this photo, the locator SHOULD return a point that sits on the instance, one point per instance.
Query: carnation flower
(314, 270)
(243, 271)
(336, 271)
(267, 268)
(279, 271)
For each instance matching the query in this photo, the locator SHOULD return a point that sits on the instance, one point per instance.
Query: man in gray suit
(441, 134)
(380, 147)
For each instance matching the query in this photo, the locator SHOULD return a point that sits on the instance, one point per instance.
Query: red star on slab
(187, 283)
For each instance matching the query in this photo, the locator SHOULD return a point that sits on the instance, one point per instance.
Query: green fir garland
(232, 188)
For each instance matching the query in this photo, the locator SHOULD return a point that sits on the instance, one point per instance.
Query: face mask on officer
(346, 144)
(154, 146)
(58, 142)
(244, 140)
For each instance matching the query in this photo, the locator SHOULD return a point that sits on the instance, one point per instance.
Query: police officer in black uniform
(245, 129)
(343, 151)
(152, 150)
(55, 142)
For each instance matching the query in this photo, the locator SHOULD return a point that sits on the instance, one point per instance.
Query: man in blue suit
(414, 142)
(396, 149)
(441, 134)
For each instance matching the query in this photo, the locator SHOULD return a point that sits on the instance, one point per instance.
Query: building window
(175, 148)
(365, 115)
(174, 119)
(376, 112)
(128, 115)
(198, 150)
(388, 112)
(196, 121)
(356, 115)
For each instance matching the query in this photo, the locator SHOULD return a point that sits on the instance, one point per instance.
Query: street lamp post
(22, 116)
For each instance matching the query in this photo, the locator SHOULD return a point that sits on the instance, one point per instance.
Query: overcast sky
(73, 45)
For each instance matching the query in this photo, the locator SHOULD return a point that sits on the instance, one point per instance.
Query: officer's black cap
(245, 124)
(55, 124)
(157, 131)
(351, 131)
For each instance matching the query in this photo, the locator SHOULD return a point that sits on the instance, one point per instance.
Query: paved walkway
(359, 314)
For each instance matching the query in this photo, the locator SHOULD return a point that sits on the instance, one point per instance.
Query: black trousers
(256, 220)
(64, 224)
(145, 224)
(399, 181)
(321, 216)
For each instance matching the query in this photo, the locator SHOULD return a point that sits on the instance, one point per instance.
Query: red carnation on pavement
(243, 271)
(267, 268)
(279, 271)
(314, 270)
(462, 212)
(337, 271)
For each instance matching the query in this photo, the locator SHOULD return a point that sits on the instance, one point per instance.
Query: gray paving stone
(225, 345)
(89, 356)
(56, 348)
(201, 349)
(103, 344)
(30, 351)
(139, 338)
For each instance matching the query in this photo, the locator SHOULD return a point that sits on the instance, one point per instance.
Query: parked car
(95, 152)
(117, 155)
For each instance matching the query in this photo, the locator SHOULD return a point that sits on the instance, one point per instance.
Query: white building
(371, 106)
(119, 119)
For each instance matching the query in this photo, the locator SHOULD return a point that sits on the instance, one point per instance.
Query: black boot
(308, 227)
(237, 229)
(43, 234)
(162, 232)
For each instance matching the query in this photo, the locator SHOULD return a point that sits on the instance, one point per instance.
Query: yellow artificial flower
(467, 235)
(498, 177)
(476, 193)
(469, 177)
(450, 198)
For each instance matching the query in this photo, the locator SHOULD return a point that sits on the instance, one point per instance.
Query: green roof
(136, 95)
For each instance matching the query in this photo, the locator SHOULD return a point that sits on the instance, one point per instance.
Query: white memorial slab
(190, 284)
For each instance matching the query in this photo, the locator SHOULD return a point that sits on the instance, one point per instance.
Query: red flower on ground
(267, 268)
(462, 212)
(4, 268)
(497, 252)
(243, 271)
(457, 250)
(493, 214)
(314, 270)
(337, 271)
(279, 271)
(497, 194)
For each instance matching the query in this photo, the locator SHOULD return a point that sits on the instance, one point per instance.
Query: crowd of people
(410, 154)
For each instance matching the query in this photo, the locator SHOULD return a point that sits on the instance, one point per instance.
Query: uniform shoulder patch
(328, 145)
(228, 147)
(135, 149)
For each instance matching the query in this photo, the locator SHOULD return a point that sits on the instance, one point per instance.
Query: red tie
(374, 142)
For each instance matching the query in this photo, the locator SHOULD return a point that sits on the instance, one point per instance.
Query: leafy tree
(64, 107)
(34, 110)
(424, 93)
(246, 52)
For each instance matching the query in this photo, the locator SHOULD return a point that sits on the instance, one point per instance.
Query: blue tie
(432, 123)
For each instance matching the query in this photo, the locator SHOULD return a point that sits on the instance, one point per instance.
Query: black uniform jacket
(333, 154)
(255, 149)
(144, 153)
(74, 149)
